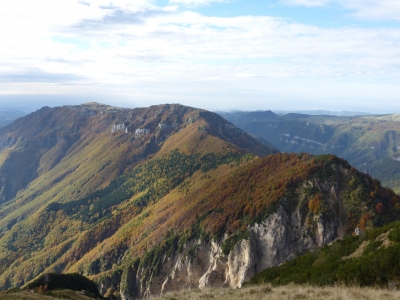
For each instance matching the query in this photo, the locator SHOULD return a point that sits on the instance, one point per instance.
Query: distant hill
(324, 112)
(370, 143)
(6, 117)
(302, 112)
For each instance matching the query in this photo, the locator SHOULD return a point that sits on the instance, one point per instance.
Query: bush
(75, 282)
(394, 235)
(230, 242)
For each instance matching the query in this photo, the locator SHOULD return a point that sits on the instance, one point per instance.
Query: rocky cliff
(281, 237)
(314, 214)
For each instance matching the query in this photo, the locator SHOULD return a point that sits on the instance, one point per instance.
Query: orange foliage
(248, 192)
(364, 220)
(314, 204)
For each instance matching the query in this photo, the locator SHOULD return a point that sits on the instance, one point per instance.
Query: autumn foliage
(380, 208)
(248, 194)
(315, 203)
(364, 220)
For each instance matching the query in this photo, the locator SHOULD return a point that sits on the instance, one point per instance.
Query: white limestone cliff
(281, 237)
(141, 131)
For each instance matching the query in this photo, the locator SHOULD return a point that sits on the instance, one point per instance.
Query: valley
(370, 143)
(8, 116)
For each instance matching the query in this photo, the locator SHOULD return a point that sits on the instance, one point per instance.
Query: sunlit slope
(76, 150)
(70, 155)
(177, 197)
(182, 195)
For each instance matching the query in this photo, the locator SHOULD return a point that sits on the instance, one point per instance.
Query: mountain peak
(52, 135)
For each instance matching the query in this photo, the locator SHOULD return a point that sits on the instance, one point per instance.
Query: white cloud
(366, 9)
(374, 9)
(152, 52)
(308, 3)
(194, 3)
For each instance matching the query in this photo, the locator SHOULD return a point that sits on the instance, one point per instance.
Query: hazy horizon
(215, 54)
(30, 104)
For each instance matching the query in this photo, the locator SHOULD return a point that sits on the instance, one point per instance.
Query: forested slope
(72, 176)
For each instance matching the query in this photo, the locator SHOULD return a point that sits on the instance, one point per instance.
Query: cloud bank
(366, 9)
(161, 53)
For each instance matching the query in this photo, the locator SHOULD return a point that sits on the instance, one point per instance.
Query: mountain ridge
(47, 145)
(370, 143)
(66, 153)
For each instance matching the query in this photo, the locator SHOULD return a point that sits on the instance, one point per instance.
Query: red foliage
(380, 208)
(394, 200)
(248, 192)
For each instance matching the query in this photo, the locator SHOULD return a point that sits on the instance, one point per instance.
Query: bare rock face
(118, 127)
(141, 131)
(281, 237)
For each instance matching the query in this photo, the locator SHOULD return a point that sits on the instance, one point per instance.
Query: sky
(213, 54)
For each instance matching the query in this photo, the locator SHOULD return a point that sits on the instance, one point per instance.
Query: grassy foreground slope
(287, 292)
(262, 292)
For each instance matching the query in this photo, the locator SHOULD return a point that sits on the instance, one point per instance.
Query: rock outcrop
(118, 127)
(331, 200)
(282, 236)
(141, 131)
